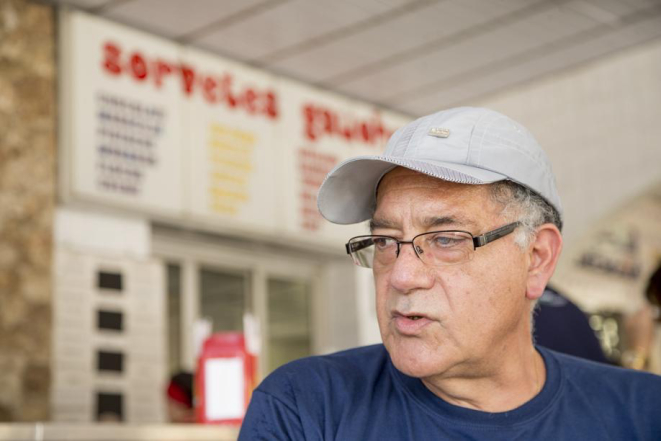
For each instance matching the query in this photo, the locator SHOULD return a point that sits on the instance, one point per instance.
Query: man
(465, 234)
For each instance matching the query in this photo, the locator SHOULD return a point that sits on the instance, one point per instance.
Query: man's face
(471, 313)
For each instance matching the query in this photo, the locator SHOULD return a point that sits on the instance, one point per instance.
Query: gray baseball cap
(466, 145)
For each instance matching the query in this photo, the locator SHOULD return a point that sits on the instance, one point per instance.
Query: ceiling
(413, 56)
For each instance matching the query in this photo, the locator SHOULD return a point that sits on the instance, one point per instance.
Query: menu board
(164, 129)
(230, 144)
(125, 123)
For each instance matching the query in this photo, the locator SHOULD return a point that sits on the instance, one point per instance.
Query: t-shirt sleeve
(269, 418)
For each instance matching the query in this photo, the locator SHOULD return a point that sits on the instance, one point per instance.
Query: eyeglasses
(435, 248)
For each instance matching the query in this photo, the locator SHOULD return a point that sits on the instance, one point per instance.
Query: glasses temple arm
(357, 246)
(480, 241)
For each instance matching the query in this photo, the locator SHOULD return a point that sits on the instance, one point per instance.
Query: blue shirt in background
(560, 325)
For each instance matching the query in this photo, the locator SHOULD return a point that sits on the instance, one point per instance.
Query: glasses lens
(444, 247)
(362, 251)
(366, 251)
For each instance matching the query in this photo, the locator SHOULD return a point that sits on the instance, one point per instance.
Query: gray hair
(523, 204)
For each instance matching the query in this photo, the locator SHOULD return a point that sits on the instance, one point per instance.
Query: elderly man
(464, 236)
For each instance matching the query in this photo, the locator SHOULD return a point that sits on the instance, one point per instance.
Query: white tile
(453, 62)
(174, 18)
(86, 4)
(493, 81)
(288, 24)
(404, 33)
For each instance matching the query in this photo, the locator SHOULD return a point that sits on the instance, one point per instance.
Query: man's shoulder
(624, 401)
(602, 378)
(343, 370)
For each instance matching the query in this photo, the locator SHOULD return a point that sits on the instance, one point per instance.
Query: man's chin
(414, 361)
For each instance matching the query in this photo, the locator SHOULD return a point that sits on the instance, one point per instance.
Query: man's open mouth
(410, 324)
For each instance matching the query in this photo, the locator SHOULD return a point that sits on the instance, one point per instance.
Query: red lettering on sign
(226, 82)
(111, 60)
(215, 89)
(188, 77)
(320, 121)
(163, 69)
(250, 98)
(365, 132)
(329, 121)
(310, 130)
(271, 106)
(138, 67)
(209, 88)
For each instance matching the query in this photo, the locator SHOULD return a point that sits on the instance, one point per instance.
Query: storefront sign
(163, 129)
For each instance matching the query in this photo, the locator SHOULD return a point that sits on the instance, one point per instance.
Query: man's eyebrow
(442, 221)
(381, 223)
(428, 222)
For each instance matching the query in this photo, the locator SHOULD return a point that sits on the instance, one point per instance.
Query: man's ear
(544, 253)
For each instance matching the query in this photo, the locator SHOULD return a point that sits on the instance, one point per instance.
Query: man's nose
(409, 272)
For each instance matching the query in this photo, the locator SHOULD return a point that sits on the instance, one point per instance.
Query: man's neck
(505, 385)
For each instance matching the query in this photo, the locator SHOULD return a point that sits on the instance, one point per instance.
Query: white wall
(601, 126)
(94, 232)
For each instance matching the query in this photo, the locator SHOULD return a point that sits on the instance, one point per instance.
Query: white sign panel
(231, 119)
(125, 119)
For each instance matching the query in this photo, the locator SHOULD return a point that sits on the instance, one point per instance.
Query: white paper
(224, 383)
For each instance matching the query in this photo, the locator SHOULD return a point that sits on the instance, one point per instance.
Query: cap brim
(348, 194)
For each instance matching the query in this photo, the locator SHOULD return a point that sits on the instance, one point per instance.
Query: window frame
(193, 254)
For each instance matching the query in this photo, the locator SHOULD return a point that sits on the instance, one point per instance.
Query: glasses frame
(478, 241)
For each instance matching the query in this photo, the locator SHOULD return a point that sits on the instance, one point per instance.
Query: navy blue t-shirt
(359, 395)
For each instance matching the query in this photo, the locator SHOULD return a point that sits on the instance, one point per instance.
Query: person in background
(561, 325)
(180, 398)
(653, 292)
(640, 326)
(464, 236)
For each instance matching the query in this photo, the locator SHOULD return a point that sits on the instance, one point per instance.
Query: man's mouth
(409, 315)
(410, 324)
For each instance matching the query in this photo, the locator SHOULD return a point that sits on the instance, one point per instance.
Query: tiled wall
(109, 358)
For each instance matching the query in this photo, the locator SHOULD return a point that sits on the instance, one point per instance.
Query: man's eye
(383, 242)
(446, 241)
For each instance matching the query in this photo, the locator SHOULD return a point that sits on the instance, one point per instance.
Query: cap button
(439, 132)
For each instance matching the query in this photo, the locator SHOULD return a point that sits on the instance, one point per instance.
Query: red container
(225, 379)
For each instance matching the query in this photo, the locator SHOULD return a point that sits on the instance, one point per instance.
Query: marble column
(27, 201)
